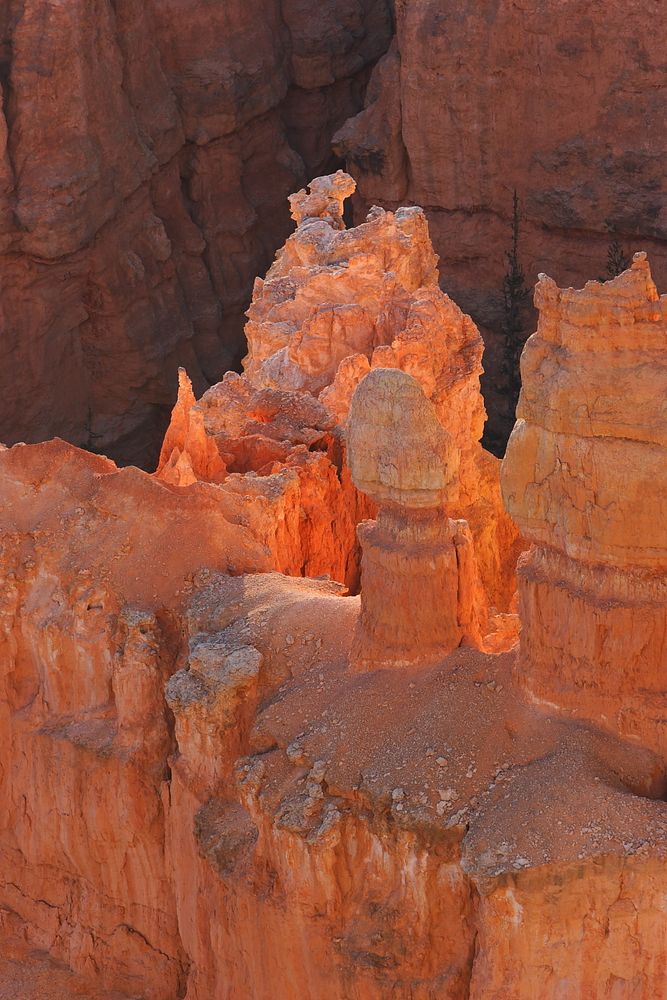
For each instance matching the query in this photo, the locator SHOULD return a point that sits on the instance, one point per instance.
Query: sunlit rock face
(556, 100)
(97, 565)
(585, 478)
(222, 776)
(147, 149)
(337, 304)
(420, 591)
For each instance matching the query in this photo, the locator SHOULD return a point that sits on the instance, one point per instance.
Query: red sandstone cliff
(562, 101)
(146, 152)
(223, 781)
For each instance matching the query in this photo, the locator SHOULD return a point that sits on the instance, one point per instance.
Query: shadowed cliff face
(561, 101)
(146, 152)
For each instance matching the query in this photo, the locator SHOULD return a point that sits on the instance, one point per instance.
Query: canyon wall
(223, 781)
(562, 102)
(146, 150)
(146, 153)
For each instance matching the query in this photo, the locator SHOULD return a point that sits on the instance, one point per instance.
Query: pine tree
(617, 260)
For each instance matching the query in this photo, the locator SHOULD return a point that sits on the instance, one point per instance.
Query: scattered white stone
(318, 771)
(294, 752)
(447, 794)
(457, 818)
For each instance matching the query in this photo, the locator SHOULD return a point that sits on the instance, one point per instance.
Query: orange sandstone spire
(188, 454)
(585, 478)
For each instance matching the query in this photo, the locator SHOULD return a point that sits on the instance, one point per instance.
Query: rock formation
(147, 150)
(224, 777)
(97, 565)
(585, 477)
(336, 304)
(146, 153)
(411, 577)
(555, 100)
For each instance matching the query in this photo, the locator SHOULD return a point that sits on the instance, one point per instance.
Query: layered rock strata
(477, 99)
(97, 566)
(146, 153)
(202, 795)
(336, 304)
(585, 477)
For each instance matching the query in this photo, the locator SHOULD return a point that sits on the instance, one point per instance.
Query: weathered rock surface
(96, 563)
(419, 597)
(203, 796)
(336, 304)
(585, 477)
(276, 450)
(558, 100)
(146, 153)
(31, 974)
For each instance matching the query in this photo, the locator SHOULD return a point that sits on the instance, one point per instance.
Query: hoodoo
(585, 478)
(333, 531)
(265, 728)
(411, 577)
(336, 304)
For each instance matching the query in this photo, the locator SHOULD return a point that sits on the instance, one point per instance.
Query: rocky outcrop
(370, 814)
(419, 598)
(202, 795)
(585, 477)
(97, 564)
(336, 304)
(477, 99)
(146, 153)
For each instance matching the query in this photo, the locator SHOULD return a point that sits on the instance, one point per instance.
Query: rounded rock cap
(398, 451)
